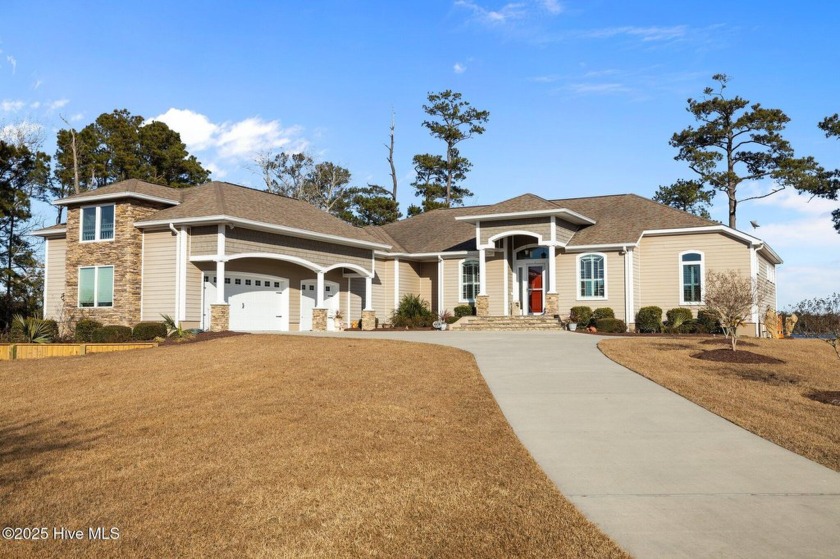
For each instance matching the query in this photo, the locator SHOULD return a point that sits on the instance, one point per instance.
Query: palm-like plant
(34, 330)
(172, 327)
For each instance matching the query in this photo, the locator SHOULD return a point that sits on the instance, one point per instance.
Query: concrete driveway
(662, 476)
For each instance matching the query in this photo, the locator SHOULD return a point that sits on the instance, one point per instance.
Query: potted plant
(442, 321)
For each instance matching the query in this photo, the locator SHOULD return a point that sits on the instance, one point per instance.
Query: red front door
(535, 289)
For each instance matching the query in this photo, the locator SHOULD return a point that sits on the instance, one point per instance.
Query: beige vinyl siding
(428, 283)
(451, 282)
(537, 225)
(568, 284)
(204, 240)
(769, 300)
(55, 277)
(495, 283)
(637, 284)
(409, 278)
(383, 289)
(661, 269)
(564, 231)
(352, 295)
(159, 272)
(240, 240)
(193, 295)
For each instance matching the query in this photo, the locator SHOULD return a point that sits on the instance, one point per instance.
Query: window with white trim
(469, 281)
(97, 223)
(96, 286)
(691, 278)
(771, 273)
(592, 276)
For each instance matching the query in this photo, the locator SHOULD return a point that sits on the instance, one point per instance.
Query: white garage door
(258, 303)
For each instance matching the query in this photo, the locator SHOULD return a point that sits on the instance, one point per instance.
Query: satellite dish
(755, 224)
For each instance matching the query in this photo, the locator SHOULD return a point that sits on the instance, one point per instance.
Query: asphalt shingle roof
(131, 186)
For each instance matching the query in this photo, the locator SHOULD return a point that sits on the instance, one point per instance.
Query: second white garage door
(258, 303)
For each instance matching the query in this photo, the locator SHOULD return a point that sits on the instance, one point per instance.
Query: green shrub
(708, 322)
(611, 325)
(412, 312)
(32, 330)
(52, 328)
(677, 318)
(649, 319)
(111, 334)
(603, 312)
(464, 310)
(581, 315)
(85, 329)
(146, 331)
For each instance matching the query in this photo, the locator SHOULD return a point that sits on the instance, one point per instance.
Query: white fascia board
(423, 255)
(573, 217)
(50, 233)
(114, 196)
(262, 226)
(705, 229)
(614, 246)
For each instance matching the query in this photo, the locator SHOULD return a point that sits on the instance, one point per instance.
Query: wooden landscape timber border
(10, 352)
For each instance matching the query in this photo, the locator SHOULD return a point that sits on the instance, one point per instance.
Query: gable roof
(131, 188)
(222, 201)
(434, 231)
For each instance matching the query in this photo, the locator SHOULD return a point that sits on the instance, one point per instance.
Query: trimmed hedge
(649, 319)
(708, 321)
(146, 331)
(611, 325)
(581, 315)
(463, 310)
(85, 329)
(112, 334)
(601, 313)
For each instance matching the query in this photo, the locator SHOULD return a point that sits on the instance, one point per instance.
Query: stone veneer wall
(124, 253)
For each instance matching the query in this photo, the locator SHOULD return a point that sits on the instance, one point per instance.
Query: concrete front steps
(489, 323)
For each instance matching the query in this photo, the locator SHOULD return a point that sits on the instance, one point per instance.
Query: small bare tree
(733, 297)
(820, 318)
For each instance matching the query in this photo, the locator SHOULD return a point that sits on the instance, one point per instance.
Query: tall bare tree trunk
(391, 158)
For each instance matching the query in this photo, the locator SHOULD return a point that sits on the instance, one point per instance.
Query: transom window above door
(534, 253)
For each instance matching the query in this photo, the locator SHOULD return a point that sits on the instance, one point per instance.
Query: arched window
(691, 278)
(469, 281)
(592, 275)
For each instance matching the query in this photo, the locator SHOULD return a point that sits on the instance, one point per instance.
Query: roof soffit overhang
(565, 214)
(112, 196)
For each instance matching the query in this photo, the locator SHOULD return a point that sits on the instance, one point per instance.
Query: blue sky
(583, 95)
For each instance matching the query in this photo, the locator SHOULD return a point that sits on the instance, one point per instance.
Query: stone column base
(319, 320)
(482, 305)
(219, 317)
(368, 320)
(552, 304)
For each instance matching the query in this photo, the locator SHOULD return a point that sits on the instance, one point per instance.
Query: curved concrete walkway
(662, 476)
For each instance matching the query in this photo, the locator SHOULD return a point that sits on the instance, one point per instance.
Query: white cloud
(37, 84)
(646, 34)
(789, 200)
(597, 88)
(13, 62)
(505, 14)
(805, 282)
(77, 117)
(53, 105)
(553, 6)
(10, 106)
(230, 143)
(459, 68)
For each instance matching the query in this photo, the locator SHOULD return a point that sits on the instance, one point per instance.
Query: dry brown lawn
(767, 399)
(275, 446)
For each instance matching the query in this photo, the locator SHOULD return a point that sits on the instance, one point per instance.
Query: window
(771, 273)
(237, 281)
(98, 223)
(691, 272)
(469, 281)
(536, 253)
(592, 275)
(96, 286)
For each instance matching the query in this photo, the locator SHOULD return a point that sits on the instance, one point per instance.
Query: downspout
(177, 272)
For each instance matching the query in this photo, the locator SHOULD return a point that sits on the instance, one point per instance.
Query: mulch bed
(202, 337)
(826, 397)
(742, 356)
(726, 342)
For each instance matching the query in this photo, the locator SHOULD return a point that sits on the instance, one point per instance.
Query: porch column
(552, 299)
(319, 291)
(368, 314)
(220, 282)
(482, 300)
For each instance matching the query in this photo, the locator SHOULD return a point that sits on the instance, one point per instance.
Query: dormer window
(98, 223)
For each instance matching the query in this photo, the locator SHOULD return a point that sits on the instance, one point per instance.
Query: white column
(368, 294)
(441, 278)
(628, 286)
(220, 282)
(396, 282)
(182, 273)
(482, 272)
(319, 291)
(506, 270)
(552, 269)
